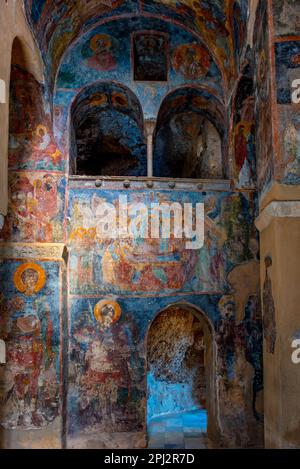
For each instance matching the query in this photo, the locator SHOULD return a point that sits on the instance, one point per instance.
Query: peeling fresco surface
(152, 265)
(30, 326)
(117, 287)
(190, 137)
(286, 17)
(288, 70)
(106, 371)
(176, 380)
(220, 24)
(269, 316)
(75, 71)
(35, 211)
(31, 141)
(263, 108)
(244, 135)
(129, 273)
(107, 132)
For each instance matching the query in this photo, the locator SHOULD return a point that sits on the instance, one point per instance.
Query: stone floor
(178, 431)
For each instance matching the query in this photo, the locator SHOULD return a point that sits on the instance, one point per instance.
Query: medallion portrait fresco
(29, 278)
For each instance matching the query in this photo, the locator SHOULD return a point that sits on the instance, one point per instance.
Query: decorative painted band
(55, 251)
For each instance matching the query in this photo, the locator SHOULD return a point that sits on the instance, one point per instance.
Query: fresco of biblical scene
(36, 208)
(263, 132)
(31, 142)
(79, 65)
(215, 20)
(106, 368)
(150, 52)
(66, 23)
(30, 327)
(288, 70)
(244, 135)
(99, 265)
(104, 335)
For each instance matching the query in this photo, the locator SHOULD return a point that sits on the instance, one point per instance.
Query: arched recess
(191, 136)
(193, 334)
(27, 57)
(19, 50)
(244, 132)
(27, 116)
(107, 136)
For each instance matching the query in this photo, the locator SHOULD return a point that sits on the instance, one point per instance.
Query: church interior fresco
(31, 326)
(222, 25)
(116, 289)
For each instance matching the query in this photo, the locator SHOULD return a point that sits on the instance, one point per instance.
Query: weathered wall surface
(220, 26)
(32, 269)
(117, 287)
(176, 378)
(287, 63)
(277, 58)
(13, 24)
(263, 99)
(278, 224)
(31, 326)
(137, 278)
(280, 242)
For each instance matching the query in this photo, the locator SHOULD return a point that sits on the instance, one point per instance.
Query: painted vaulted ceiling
(219, 24)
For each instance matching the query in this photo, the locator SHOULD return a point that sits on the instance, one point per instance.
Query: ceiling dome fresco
(219, 24)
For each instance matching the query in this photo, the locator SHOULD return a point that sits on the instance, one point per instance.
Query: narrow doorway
(177, 380)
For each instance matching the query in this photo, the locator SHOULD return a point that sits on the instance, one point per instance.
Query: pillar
(279, 226)
(149, 132)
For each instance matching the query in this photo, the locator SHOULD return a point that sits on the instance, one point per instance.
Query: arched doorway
(181, 398)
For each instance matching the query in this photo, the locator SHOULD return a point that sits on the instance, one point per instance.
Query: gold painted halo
(19, 283)
(105, 38)
(39, 128)
(101, 304)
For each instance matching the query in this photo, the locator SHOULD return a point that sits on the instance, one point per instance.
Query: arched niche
(244, 133)
(28, 123)
(191, 136)
(107, 136)
(180, 339)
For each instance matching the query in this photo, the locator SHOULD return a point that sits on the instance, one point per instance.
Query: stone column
(279, 226)
(149, 132)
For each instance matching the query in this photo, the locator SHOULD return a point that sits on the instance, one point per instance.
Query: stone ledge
(280, 193)
(55, 251)
(275, 209)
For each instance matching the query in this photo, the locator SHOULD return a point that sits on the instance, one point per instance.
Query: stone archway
(181, 379)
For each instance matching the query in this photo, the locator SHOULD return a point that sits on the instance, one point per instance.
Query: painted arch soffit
(220, 24)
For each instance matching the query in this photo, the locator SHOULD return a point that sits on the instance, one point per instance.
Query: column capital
(149, 127)
(275, 210)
